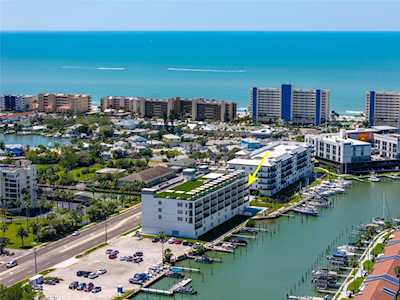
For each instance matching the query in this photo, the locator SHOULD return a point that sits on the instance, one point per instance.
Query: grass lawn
(77, 174)
(354, 286)
(189, 185)
(15, 240)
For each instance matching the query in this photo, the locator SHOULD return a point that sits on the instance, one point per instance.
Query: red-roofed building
(383, 283)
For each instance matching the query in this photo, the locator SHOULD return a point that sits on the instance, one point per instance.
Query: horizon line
(199, 30)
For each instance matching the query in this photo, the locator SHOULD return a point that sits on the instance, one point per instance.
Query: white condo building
(382, 108)
(287, 163)
(16, 181)
(195, 206)
(338, 148)
(387, 145)
(289, 104)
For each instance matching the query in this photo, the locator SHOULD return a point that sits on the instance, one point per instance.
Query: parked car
(155, 240)
(178, 242)
(93, 275)
(73, 285)
(185, 243)
(76, 233)
(138, 253)
(171, 240)
(82, 274)
(81, 286)
(89, 287)
(116, 252)
(96, 289)
(101, 271)
(138, 259)
(11, 264)
(109, 251)
(112, 256)
(129, 258)
(123, 258)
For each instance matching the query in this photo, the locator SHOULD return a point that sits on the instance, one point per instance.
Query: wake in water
(96, 68)
(205, 70)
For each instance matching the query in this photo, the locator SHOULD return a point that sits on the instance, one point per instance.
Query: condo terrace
(200, 186)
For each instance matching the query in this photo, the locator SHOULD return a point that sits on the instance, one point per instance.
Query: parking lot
(118, 272)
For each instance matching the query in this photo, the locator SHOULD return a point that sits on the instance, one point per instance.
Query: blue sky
(199, 15)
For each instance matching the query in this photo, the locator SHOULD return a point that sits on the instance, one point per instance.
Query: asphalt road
(61, 250)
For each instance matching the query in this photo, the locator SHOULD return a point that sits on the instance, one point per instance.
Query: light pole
(105, 230)
(34, 253)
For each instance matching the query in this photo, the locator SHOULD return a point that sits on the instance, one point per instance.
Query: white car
(101, 271)
(76, 233)
(171, 240)
(93, 275)
(11, 264)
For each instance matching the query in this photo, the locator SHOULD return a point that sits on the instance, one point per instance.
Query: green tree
(167, 256)
(19, 292)
(4, 227)
(3, 244)
(22, 233)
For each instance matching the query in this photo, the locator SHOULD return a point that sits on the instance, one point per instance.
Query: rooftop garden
(186, 190)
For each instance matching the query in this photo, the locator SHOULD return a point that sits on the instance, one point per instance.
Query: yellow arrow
(253, 177)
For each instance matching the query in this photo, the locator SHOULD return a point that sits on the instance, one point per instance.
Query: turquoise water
(31, 140)
(192, 64)
(274, 264)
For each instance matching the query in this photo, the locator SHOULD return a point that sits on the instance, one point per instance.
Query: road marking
(95, 235)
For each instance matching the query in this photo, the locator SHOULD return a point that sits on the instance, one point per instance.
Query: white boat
(373, 178)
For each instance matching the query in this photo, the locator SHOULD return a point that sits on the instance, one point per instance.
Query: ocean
(220, 65)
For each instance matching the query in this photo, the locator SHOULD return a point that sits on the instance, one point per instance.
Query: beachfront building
(195, 109)
(387, 145)
(289, 104)
(339, 149)
(287, 163)
(17, 182)
(196, 205)
(16, 102)
(64, 103)
(382, 108)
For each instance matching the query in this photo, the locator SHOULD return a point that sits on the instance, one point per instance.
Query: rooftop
(277, 151)
(193, 189)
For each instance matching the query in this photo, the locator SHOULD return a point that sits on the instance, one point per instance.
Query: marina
(260, 262)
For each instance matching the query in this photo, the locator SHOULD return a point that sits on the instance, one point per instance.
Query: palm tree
(3, 243)
(4, 227)
(27, 204)
(22, 233)
(162, 238)
(167, 256)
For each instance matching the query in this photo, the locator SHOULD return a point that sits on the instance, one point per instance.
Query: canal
(31, 140)
(276, 263)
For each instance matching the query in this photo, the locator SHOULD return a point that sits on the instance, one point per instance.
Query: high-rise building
(287, 163)
(289, 104)
(16, 102)
(64, 103)
(196, 205)
(17, 181)
(195, 109)
(382, 108)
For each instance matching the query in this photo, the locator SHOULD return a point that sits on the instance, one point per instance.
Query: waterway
(31, 140)
(275, 264)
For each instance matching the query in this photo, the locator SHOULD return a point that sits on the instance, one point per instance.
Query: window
(180, 204)
(180, 212)
(159, 217)
(180, 219)
(159, 209)
(159, 202)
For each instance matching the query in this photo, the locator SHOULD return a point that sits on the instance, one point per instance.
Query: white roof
(212, 175)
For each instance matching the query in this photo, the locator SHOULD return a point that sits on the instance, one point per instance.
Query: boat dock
(245, 236)
(157, 291)
(304, 298)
